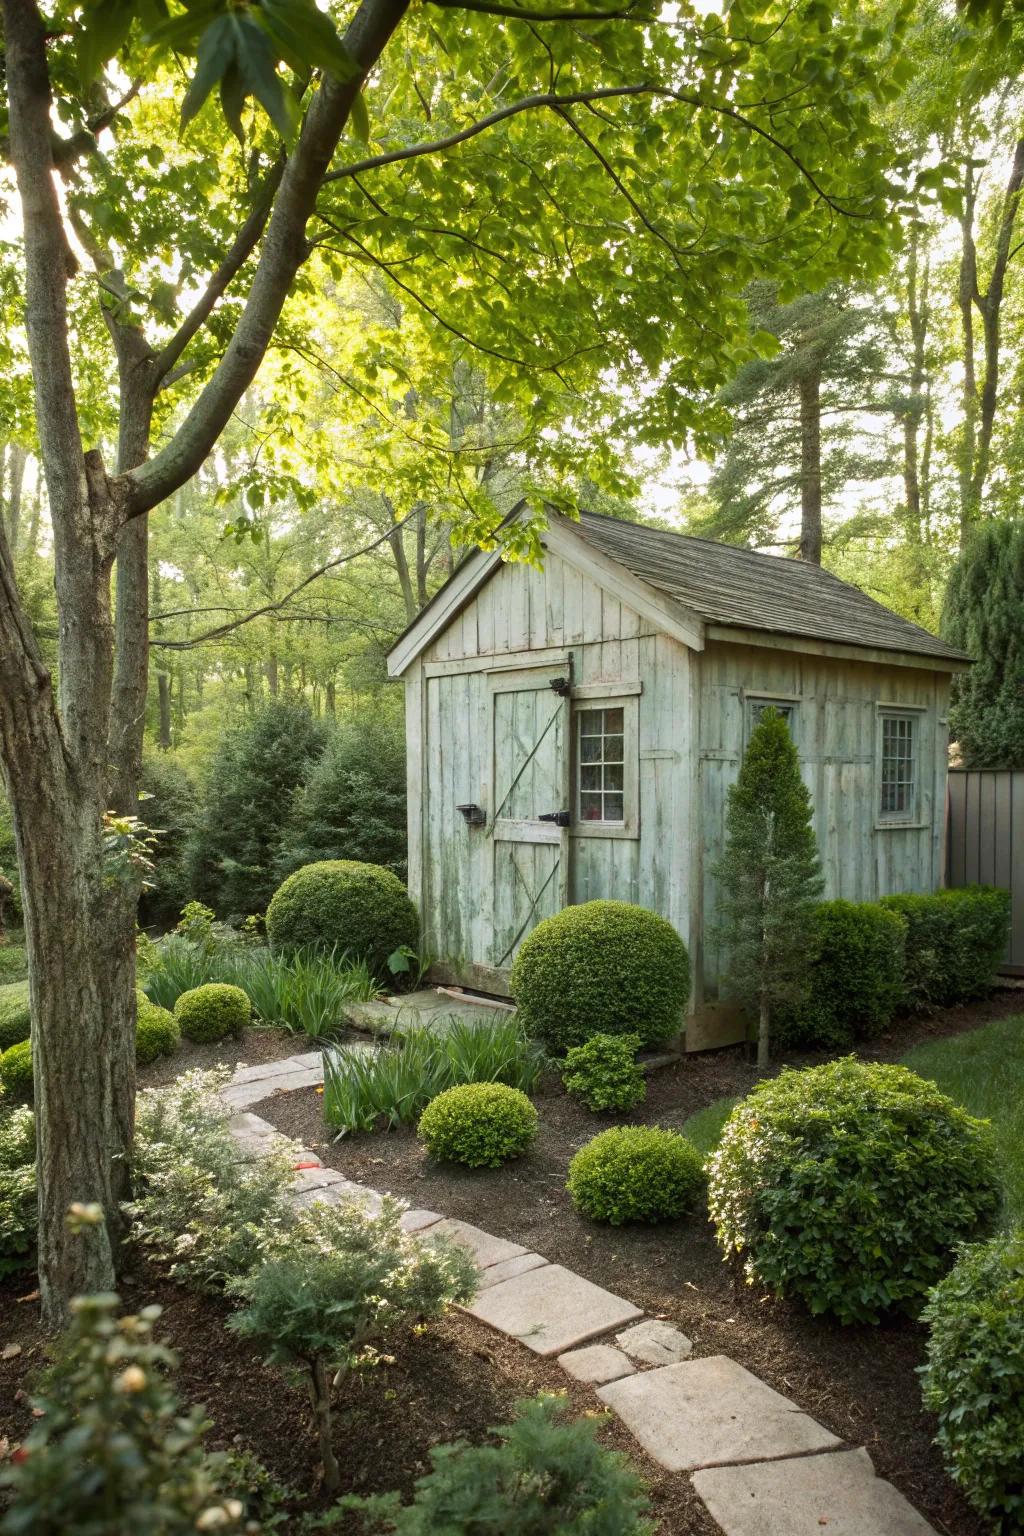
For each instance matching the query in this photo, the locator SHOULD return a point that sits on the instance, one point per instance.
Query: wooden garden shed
(572, 732)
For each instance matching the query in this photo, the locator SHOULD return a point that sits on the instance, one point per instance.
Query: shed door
(531, 799)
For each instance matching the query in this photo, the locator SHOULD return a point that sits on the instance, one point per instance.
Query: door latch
(560, 818)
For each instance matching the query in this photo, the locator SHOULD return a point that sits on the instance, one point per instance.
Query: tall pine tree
(769, 876)
(984, 615)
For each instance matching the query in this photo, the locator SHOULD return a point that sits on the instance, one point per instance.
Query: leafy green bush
(360, 907)
(156, 1031)
(603, 968)
(547, 1476)
(849, 1185)
(18, 1207)
(955, 943)
(205, 1211)
(479, 1124)
(352, 804)
(13, 963)
(635, 1173)
(113, 1449)
(16, 1072)
(603, 1073)
(346, 1283)
(172, 804)
(14, 1014)
(212, 1011)
(396, 1083)
(973, 1376)
(856, 979)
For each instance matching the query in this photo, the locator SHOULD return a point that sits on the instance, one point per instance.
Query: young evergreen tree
(352, 805)
(769, 877)
(984, 615)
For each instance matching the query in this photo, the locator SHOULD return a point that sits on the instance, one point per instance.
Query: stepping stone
(250, 1126)
(339, 1193)
(484, 1248)
(551, 1309)
(655, 1342)
(833, 1495)
(418, 1221)
(241, 1095)
(264, 1069)
(710, 1411)
(308, 1179)
(519, 1264)
(311, 1060)
(596, 1363)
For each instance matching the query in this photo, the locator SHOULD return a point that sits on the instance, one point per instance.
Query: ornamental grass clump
(973, 1376)
(211, 1012)
(604, 1073)
(347, 1283)
(635, 1173)
(848, 1186)
(479, 1124)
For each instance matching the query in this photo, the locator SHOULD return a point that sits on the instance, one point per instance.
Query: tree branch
(636, 12)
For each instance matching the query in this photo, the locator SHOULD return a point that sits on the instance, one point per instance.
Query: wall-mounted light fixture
(473, 815)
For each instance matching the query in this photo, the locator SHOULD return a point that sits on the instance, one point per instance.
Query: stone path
(761, 1465)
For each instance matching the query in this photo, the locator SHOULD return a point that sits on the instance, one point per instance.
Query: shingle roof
(743, 589)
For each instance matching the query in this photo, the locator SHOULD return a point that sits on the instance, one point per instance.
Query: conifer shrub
(479, 1124)
(352, 803)
(973, 1376)
(211, 1012)
(983, 614)
(635, 1173)
(16, 1072)
(956, 940)
(849, 1185)
(156, 1031)
(856, 981)
(602, 968)
(359, 909)
(14, 1014)
(604, 1073)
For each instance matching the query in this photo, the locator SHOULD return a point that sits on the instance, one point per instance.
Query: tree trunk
(330, 698)
(764, 1033)
(320, 1393)
(810, 468)
(271, 673)
(16, 461)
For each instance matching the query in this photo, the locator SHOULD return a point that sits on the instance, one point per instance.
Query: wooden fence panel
(985, 841)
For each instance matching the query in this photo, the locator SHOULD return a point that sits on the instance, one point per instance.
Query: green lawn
(704, 1128)
(984, 1071)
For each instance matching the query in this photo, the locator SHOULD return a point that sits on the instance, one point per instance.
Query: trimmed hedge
(856, 979)
(635, 1173)
(361, 909)
(16, 1072)
(973, 1376)
(212, 1011)
(479, 1124)
(955, 942)
(603, 968)
(604, 1073)
(849, 1185)
(156, 1031)
(14, 1014)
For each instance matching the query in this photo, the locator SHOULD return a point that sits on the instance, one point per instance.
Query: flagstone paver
(551, 1309)
(418, 1221)
(834, 1495)
(506, 1269)
(655, 1342)
(709, 1411)
(484, 1248)
(596, 1363)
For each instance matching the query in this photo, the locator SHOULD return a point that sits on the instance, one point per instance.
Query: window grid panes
(899, 766)
(600, 765)
(757, 708)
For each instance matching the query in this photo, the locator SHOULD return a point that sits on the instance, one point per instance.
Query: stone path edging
(760, 1465)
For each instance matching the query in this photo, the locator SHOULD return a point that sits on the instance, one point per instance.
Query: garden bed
(860, 1382)
(251, 1048)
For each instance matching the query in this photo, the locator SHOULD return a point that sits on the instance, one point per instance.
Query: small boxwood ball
(14, 1014)
(362, 910)
(635, 1173)
(156, 1031)
(211, 1012)
(16, 1072)
(848, 1186)
(479, 1124)
(604, 1073)
(603, 968)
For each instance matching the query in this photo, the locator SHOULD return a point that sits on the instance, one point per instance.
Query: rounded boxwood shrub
(603, 968)
(212, 1011)
(973, 1376)
(16, 1072)
(479, 1124)
(956, 940)
(849, 1185)
(14, 1014)
(156, 1031)
(604, 1074)
(361, 909)
(856, 979)
(635, 1173)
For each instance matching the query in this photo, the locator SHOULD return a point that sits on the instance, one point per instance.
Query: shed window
(756, 708)
(898, 796)
(600, 764)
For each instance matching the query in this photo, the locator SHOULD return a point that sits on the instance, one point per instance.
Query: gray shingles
(742, 589)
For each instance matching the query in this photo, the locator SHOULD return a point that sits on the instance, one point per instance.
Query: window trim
(629, 702)
(894, 821)
(758, 696)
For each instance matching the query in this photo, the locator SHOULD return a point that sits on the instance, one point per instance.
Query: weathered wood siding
(836, 735)
(522, 614)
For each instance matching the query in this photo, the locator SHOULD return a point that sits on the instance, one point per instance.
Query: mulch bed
(251, 1048)
(860, 1382)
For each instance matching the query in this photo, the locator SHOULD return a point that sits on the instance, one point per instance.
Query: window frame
(753, 697)
(628, 701)
(911, 817)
